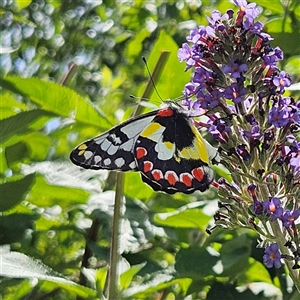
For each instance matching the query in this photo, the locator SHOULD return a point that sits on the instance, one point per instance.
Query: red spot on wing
(148, 165)
(165, 112)
(157, 175)
(140, 152)
(186, 178)
(171, 177)
(198, 174)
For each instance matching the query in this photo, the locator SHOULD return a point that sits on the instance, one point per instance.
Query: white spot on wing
(107, 161)
(120, 161)
(127, 146)
(112, 150)
(134, 128)
(88, 154)
(116, 140)
(98, 140)
(132, 165)
(105, 144)
(163, 152)
(97, 159)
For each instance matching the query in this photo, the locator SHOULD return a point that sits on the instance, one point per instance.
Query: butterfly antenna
(151, 78)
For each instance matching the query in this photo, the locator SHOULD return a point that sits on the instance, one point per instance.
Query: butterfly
(163, 145)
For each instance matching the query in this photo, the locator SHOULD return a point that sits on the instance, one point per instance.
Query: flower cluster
(238, 84)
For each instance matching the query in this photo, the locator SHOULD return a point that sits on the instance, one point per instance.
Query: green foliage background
(68, 68)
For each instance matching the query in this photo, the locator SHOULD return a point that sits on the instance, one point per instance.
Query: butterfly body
(163, 145)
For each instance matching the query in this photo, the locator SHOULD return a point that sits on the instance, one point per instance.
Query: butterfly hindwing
(171, 155)
(114, 149)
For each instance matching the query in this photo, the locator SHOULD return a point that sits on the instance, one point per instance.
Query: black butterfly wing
(171, 154)
(114, 149)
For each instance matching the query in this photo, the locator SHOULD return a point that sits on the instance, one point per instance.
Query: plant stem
(281, 240)
(113, 276)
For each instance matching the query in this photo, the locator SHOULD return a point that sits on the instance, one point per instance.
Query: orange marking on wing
(198, 174)
(148, 165)
(157, 175)
(140, 152)
(165, 112)
(171, 177)
(186, 178)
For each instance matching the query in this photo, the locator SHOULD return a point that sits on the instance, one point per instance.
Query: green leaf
(289, 42)
(16, 153)
(222, 172)
(18, 265)
(292, 66)
(18, 288)
(38, 145)
(171, 84)
(22, 3)
(219, 290)
(195, 263)
(156, 282)
(44, 194)
(3, 162)
(139, 229)
(141, 291)
(57, 99)
(20, 123)
(256, 272)
(134, 47)
(13, 227)
(134, 187)
(126, 277)
(184, 217)
(9, 106)
(100, 278)
(276, 6)
(13, 192)
(276, 25)
(235, 254)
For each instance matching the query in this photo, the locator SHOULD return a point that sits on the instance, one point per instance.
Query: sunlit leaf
(256, 272)
(45, 194)
(10, 106)
(156, 282)
(22, 3)
(18, 265)
(57, 99)
(126, 277)
(134, 187)
(184, 217)
(170, 75)
(20, 123)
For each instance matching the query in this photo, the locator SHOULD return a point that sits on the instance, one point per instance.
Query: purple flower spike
(279, 117)
(289, 217)
(185, 53)
(282, 80)
(272, 256)
(235, 92)
(235, 69)
(273, 207)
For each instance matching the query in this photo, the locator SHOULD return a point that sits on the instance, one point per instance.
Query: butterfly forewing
(114, 149)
